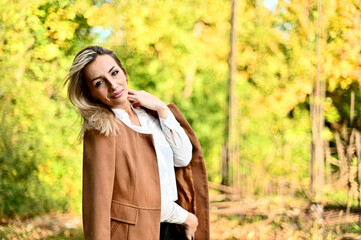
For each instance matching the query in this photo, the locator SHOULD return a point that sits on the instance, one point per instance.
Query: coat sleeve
(192, 181)
(98, 181)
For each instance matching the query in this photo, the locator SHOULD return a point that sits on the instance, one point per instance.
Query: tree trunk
(328, 162)
(230, 100)
(341, 157)
(317, 118)
(358, 154)
(350, 153)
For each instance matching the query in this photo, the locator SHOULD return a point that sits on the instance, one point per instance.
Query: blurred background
(271, 89)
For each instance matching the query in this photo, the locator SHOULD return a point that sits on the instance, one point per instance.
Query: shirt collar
(122, 114)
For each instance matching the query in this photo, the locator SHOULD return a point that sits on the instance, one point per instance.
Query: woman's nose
(112, 84)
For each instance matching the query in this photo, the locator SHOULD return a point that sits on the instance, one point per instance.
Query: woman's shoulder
(96, 135)
(119, 129)
(100, 121)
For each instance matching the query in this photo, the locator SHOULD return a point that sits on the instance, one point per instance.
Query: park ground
(273, 218)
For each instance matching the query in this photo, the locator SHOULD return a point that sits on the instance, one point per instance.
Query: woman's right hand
(190, 225)
(147, 100)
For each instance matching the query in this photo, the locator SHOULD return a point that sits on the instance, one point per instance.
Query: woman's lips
(118, 94)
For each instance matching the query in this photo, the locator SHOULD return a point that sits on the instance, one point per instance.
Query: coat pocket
(121, 217)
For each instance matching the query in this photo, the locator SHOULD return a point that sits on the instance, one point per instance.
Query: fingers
(147, 100)
(140, 99)
(132, 91)
(133, 97)
(189, 236)
(190, 233)
(190, 225)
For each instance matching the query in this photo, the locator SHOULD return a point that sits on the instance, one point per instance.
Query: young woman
(144, 175)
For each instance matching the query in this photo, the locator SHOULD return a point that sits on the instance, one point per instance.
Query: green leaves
(177, 50)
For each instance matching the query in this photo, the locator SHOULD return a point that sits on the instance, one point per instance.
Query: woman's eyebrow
(111, 69)
(101, 76)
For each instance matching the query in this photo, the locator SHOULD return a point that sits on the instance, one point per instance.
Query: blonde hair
(95, 115)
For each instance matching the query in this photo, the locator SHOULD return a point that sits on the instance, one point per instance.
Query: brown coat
(121, 188)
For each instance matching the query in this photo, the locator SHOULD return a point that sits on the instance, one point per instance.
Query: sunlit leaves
(177, 50)
(103, 15)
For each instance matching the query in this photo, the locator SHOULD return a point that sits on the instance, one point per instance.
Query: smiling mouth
(118, 94)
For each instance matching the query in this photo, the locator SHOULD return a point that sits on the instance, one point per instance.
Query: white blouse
(169, 155)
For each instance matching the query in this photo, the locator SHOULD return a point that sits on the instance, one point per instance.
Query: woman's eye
(115, 72)
(97, 84)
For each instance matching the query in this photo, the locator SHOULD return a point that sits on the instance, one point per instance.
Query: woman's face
(107, 82)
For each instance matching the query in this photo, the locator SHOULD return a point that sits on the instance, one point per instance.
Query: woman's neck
(133, 117)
